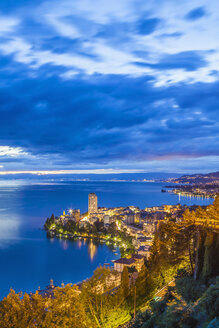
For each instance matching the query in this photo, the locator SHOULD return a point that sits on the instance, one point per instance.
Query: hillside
(198, 178)
(189, 304)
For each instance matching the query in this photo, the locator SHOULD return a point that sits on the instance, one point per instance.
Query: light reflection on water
(92, 250)
(194, 198)
(9, 230)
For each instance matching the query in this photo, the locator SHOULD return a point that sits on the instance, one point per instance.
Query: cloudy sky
(113, 85)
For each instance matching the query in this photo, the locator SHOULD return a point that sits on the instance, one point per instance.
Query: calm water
(28, 259)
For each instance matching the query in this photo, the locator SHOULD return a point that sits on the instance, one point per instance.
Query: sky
(109, 86)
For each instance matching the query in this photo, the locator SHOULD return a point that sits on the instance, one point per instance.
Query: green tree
(49, 222)
(144, 285)
(124, 287)
(66, 309)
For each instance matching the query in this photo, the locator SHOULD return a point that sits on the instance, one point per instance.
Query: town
(130, 228)
(197, 185)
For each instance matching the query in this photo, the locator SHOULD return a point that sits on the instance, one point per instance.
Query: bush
(189, 322)
(181, 273)
(158, 307)
(210, 301)
(190, 289)
(214, 323)
(141, 318)
(150, 323)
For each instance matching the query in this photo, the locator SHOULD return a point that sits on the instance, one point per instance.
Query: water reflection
(65, 244)
(192, 199)
(79, 243)
(13, 183)
(92, 250)
(9, 230)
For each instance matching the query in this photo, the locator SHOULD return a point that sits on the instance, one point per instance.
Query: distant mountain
(198, 178)
(94, 177)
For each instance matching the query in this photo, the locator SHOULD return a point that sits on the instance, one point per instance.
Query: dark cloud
(97, 118)
(102, 118)
(115, 32)
(171, 35)
(148, 25)
(187, 60)
(196, 14)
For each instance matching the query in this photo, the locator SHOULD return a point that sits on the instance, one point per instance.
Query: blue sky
(124, 85)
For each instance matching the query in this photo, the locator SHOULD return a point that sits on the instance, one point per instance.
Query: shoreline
(67, 236)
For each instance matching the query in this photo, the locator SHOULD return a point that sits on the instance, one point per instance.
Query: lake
(28, 259)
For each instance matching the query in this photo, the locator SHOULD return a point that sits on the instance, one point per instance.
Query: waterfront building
(150, 226)
(122, 262)
(112, 280)
(137, 217)
(106, 219)
(92, 203)
(142, 241)
(144, 250)
(139, 261)
(93, 218)
(75, 214)
(133, 231)
(130, 218)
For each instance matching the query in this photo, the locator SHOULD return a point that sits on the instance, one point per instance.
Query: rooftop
(144, 248)
(137, 257)
(125, 261)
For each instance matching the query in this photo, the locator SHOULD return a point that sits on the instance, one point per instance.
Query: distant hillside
(198, 178)
(94, 177)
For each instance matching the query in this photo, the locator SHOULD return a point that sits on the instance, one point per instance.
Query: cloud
(70, 172)
(196, 14)
(101, 119)
(120, 84)
(187, 60)
(171, 35)
(8, 24)
(148, 26)
(11, 151)
(63, 27)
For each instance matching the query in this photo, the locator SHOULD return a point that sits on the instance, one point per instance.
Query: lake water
(29, 259)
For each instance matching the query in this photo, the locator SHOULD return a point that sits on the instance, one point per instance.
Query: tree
(99, 225)
(17, 310)
(144, 284)
(49, 222)
(124, 287)
(71, 226)
(66, 309)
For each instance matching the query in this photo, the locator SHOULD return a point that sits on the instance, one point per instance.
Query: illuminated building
(130, 218)
(92, 203)
(122, 262)
(76, 214)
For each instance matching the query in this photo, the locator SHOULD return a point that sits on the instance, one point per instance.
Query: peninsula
(196, 185)
(129, 228)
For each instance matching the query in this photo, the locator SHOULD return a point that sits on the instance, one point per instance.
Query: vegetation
(189, 304)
